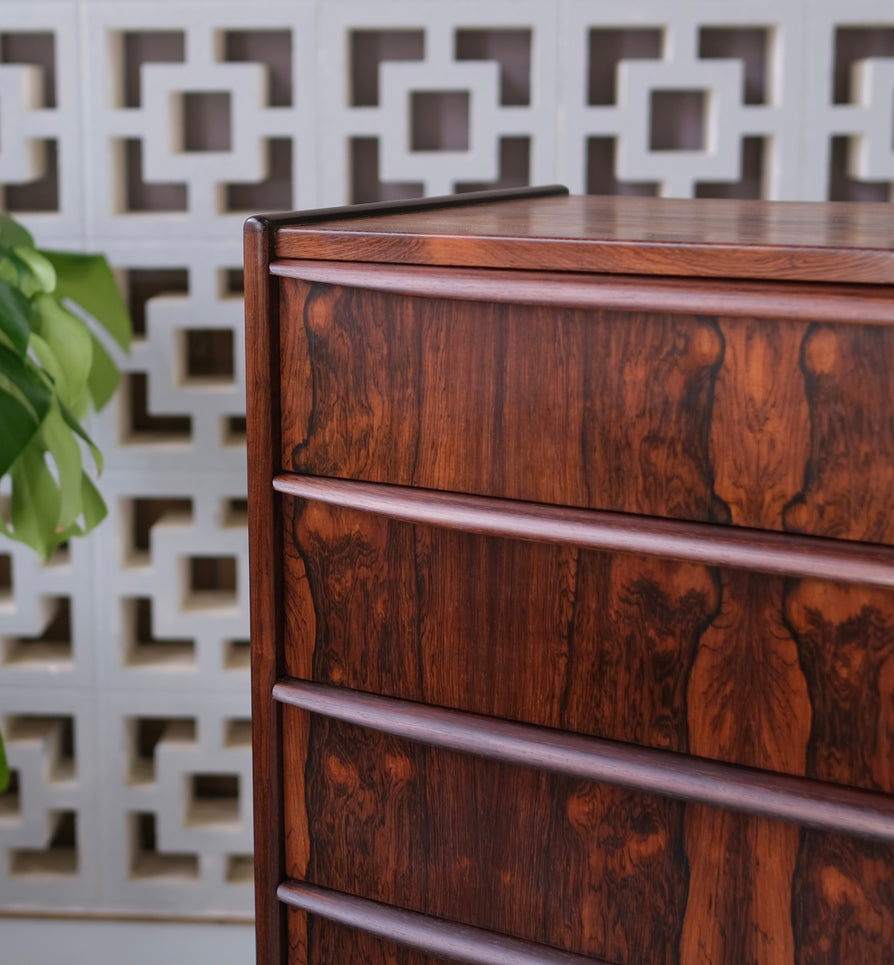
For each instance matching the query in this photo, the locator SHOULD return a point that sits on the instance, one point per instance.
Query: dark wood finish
(811, 803)
(706, 238)
(629, 411)
(265, 567)
(577, 585)
(639, 293)
(805, 556)
(456, 943)
(719, 660)
(409, 206)
(588, 868)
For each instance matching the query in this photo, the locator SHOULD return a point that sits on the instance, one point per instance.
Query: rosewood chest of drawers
(572, 575)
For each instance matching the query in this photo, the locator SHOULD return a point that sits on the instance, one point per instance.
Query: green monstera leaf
(4, 768)
(56, 308)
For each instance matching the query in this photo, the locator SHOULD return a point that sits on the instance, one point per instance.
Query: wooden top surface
(832, 241)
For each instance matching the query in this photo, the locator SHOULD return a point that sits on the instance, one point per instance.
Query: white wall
(40, 942)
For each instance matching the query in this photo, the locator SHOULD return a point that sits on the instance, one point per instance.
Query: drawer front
(620, 875)
(330, 941)
(794, 676)
(782, 425)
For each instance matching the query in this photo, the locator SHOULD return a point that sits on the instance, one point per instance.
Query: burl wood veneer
(572, 550)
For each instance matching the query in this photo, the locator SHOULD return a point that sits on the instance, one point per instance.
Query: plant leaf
(34, 507)
(19, 427)
(88, 281)
(95, 510)
(12, 233)
(38, 266)
(47, 361)
(104, 375)
(30, 386)
(79, 430)
(15, 310)
(69, 339)
(62, 445)
(4, 768)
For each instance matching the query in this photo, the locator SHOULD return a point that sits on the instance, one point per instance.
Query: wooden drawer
(608, 872)
(763, 670)
(778, 422)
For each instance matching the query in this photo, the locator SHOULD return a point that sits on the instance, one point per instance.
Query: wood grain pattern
(845, 638)
(746, 693)
(367, 791)
(721, 239)
(300, 617)
(334, 942)
(746, 696)
(596, 851)
(849, 476)
(414, 392)
(846, 643)
(581, 630)
(620, 411)
(442, 638)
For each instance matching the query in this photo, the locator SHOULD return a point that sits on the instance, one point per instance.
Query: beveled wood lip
(711, 544)
(434, 936)
(279, 220)
(642, 293)
(786, 241)
(769, 794)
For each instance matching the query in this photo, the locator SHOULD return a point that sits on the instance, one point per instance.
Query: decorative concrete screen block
(41, 147)
(431, 98)
(850, 51)
(202, 114)
(47, 618)
(182, 401)
(174, 566)
(149, 130)
(49, 825)
(179, 828)
(698, 100)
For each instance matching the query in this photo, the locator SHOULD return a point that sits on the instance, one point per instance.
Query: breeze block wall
(149, 131)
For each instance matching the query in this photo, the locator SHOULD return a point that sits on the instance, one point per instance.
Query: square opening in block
(207, 119)
(440, 120)
(60, 856)
(678, 120)
(148, 861)
(213, 799)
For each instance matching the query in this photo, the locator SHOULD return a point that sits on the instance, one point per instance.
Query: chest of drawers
(571, 529)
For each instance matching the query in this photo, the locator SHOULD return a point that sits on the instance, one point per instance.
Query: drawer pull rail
(784, 554)
(768, 794)
(840, 303)
(432, 936)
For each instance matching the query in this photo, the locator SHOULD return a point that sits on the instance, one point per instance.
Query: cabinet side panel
(263, 440)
